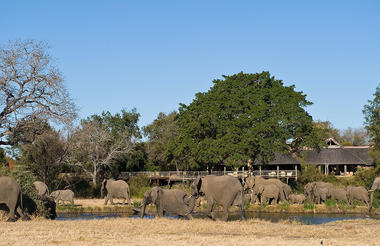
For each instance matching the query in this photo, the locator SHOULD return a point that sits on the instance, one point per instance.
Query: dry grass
(126, 231)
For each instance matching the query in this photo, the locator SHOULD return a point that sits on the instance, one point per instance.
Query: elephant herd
(225, 191)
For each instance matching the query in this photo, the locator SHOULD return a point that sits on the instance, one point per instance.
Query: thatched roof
(343, 155)
(332, 156)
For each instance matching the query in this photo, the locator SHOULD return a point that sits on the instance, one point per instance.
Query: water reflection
(309, 219)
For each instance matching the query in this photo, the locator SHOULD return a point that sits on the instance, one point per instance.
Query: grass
(308, 205)
(123, 231)
(330, 203)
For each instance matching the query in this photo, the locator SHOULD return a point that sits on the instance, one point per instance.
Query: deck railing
(190, 175)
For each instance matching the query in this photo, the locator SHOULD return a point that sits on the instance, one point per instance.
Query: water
(308, 219)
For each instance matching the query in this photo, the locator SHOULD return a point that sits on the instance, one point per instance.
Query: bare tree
(94, 147)
(31, 88)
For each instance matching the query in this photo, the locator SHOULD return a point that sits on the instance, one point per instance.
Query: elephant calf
(268, 192)
(297, 198)
(63, 195)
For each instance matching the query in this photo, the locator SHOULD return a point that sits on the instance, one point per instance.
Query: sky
(153, 55)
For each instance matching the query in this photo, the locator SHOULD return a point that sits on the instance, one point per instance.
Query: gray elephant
(116, 189)
(311, 190)
(320, 195)
(339, 194)
(11, 195)
(297, 198)
(285, 189)
(173, 201)
(223, 190)
(268, 193)
(42, 189)
(357, 193)
(63, 195)
(375, 186)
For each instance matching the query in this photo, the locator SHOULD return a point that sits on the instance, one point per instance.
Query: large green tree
(160, 133)
(371, 113)
(243, 117)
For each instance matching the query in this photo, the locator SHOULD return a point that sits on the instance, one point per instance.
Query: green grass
(330, 203)
(284, 206)
(308, 205)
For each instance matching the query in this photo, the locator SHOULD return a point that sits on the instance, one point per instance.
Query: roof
(342, 155)
(333, 156)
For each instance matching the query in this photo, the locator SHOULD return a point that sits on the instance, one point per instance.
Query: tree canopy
(243, 117)
(371, 113)
(31, 89)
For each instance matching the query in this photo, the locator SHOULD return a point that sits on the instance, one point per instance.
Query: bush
(284, 206)
(308, 205)
(31, 204)
(330, 203)
(138, 185)
(376, 199)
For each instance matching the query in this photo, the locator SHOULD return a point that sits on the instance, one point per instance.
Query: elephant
(267, 192)
(11, 195)
(63, 195)
(116, 189)
(285, 189)
(297, 198)
(171, 201)
(358, 193)
(223, 190)
(320, 194)
(42, 189)
(311, 188)
(375, 186)
(339, 194)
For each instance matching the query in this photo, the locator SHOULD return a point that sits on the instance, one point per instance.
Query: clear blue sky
(153, 55)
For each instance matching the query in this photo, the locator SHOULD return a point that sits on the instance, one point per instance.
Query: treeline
(242, 118)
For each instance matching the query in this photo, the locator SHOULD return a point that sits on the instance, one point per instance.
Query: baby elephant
(297, 198)
(63, 195)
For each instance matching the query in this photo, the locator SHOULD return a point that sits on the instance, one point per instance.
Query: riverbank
(163, 231)
(97, 205)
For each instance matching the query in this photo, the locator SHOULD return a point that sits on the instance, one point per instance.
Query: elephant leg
(12, 210)
(106, 200)
(263, 199)
(124, 201)
(24, 217)
(225, 213)
(210, 205)
(111, 200)
(160, 212)
(189, 216)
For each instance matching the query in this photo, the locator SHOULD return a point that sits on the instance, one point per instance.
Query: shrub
(138, 185)
(376, 199)
(330, 203)
(308, 205)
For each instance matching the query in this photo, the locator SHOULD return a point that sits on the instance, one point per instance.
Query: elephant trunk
(371, 201)
(191, 204)
(102, 189)
(142, 211)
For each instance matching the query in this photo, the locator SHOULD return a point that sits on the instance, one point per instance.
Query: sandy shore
(126, 231)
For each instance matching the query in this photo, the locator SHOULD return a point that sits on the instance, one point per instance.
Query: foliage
(25, 178)
(160, 134)
(45, 156)
(243, 117)
(328, 128)
(376, 199)
(354, 137)
(330, 203)
(138, 185)
(31, 90)
(309, 173)
(365, 177)
(308, 205)
(371, 113)
(285, 206)
(102, 140)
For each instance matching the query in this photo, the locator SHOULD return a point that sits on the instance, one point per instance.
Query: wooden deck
(192, 175)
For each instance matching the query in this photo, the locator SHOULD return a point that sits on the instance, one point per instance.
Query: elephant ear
(197, 185)
(261, 188)
(154, 194)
